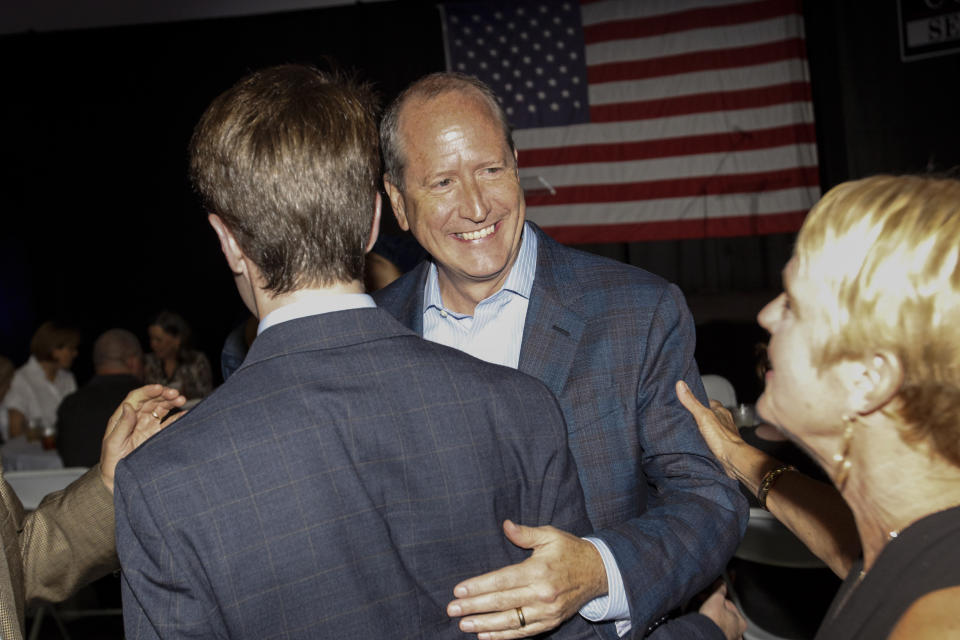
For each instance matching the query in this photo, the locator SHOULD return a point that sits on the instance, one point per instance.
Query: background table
(20, 455)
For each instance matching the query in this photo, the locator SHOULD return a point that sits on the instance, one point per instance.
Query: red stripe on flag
(679, 229)
(680, 187)
(691, 19)
(697, 61)
(670, 147)
(702, 103)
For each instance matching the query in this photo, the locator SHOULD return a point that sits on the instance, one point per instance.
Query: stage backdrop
(655, 120)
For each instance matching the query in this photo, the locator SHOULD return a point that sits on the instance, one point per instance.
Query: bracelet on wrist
(769, 479)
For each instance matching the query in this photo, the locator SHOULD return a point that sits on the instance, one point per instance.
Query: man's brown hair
(288, 159)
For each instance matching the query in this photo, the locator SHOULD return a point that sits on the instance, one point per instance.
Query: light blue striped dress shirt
(495, 330)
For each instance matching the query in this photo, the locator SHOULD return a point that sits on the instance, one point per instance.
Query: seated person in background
(865, 376)
(6, 377)
(343, 480)
(236, 346)
(69, 540)
(44, 381)
(118, 368)
(172, 362)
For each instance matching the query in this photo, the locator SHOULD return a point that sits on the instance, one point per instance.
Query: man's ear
(875, 381)
(228, 244)
(375, 228)
(396, 201)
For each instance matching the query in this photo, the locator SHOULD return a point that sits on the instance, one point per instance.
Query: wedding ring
(523, 621)
(155, 414)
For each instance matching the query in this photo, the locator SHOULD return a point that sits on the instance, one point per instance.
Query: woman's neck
(50, 369)
(893, 484)
(170, 365)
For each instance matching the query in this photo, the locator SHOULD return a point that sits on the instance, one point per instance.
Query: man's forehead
(463, 104)
(444, 119)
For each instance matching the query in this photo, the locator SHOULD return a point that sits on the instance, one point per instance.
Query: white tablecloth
(19, 455)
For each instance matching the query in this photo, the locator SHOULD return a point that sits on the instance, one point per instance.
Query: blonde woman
(865, 376)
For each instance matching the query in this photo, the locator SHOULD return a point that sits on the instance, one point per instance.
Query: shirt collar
(519, 281)
(314, 302)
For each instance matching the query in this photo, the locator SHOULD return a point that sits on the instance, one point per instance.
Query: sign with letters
(928, 28)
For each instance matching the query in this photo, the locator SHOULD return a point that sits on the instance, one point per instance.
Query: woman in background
(6, 377)
(39, 385)
(172, 363)
(865, 377)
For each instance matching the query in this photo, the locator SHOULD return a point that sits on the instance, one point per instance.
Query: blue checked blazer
(339, 485)
(610, 341)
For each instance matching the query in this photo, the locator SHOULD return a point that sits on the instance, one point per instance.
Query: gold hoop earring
(843, 463)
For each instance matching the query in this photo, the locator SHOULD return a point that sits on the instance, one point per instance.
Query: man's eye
(442, 183)
(494, 170)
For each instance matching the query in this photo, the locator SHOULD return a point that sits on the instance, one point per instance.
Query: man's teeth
(476, 235)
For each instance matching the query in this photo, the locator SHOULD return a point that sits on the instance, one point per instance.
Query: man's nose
(476, 205)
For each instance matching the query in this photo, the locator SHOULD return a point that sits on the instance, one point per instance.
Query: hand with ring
(138, 417)
(537, 595)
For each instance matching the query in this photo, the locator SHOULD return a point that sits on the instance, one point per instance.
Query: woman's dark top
(925, 557)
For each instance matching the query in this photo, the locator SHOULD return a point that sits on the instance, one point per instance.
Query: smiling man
(608, 339)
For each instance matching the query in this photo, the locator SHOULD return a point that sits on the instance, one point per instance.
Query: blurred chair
(768, 541)
(781, 588)
(719, 389)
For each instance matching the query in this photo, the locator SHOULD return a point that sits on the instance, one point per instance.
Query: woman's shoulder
(932, 616)
(193, 357)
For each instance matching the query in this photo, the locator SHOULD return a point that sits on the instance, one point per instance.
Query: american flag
(649, 119)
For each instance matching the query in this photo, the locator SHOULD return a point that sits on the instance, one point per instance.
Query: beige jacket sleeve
(51, 552)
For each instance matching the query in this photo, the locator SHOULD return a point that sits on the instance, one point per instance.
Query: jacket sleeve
(68, 540)
(695, 514)
(160, 599)
(692, 626)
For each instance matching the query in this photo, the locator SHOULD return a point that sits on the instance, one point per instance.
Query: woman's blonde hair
(885, 254)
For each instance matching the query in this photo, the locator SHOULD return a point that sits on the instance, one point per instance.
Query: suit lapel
(552, 330)
(411, 309)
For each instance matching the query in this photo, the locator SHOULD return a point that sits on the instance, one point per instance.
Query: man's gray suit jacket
(339, 485)
(611, 340)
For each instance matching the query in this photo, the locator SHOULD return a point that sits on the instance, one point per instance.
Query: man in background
(118, 369)
(348, 474)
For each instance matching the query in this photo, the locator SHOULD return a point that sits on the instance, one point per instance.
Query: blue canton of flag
(531, 53)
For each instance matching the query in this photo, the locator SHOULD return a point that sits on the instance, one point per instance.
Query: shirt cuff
(612, 606)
